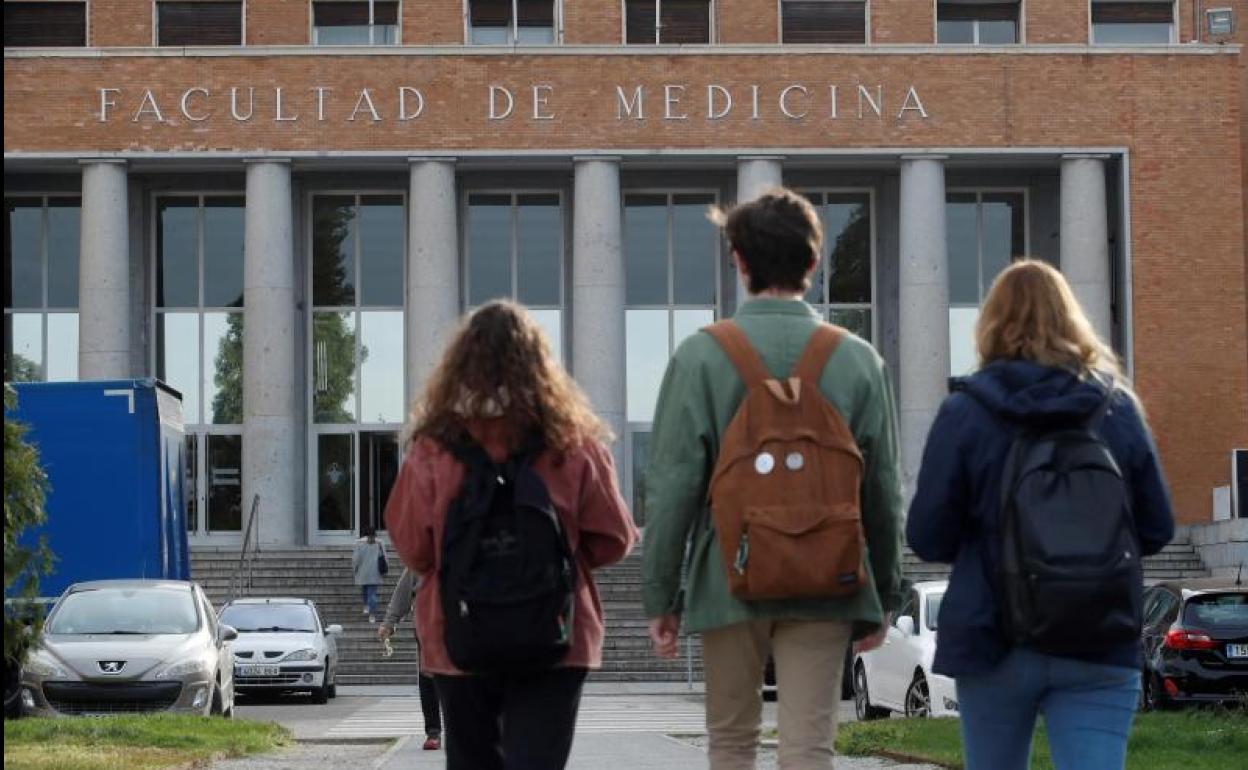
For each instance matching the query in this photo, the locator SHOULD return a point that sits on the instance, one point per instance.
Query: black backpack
(508, 577)
(1070, 571)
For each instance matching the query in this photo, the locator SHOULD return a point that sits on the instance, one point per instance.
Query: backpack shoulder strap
(823, 343)
(739, 350)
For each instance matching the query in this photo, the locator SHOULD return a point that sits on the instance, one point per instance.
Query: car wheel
(321, 694)
(918, 698)
(1152, 698)
(862, 700)
(216, 706)
(333, 680)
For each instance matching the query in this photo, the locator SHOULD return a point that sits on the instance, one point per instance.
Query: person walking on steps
(1040, 483)
(400, 607)
(505, 503)
(369, 566)
(773, 466)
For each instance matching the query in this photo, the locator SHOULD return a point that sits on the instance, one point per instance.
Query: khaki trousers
(809, 658)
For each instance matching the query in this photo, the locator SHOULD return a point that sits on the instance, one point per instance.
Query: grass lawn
(1211, 740)
(149, 742)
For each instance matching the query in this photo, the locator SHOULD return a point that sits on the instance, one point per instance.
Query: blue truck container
(116, 464)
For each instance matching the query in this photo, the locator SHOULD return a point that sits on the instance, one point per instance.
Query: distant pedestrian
(774, 485)
(400, 607)
(367, 566)
(505, 502)
(1041, 484)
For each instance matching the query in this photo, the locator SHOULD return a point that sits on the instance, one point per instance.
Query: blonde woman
(1042, 368)
(499, 390)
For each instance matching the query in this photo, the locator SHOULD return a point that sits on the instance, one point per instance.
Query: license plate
(1237, 650)
(258, 670)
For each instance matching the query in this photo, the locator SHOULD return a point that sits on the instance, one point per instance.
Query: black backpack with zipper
(1070, 573)
(508, 576)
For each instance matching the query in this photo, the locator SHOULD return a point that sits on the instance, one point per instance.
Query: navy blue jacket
(954, 515)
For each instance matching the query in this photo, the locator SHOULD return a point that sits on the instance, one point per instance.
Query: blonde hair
(499, 365)
(1031, 313)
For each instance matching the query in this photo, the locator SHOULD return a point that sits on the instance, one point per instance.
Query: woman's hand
(384, 631)
(875, 640)
(665, 635)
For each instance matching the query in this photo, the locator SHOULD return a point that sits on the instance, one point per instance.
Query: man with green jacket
(776, 241)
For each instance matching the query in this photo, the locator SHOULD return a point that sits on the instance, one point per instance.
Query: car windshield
(126, 611)
(933, 609)
(1217, 612)
(269, 618)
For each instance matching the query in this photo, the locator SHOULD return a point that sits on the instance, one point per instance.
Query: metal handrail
(241, 579)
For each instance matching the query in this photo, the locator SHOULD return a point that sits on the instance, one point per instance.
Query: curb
(379, 741)
(398, 746)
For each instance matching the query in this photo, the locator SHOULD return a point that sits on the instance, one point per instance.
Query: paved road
(618, 727)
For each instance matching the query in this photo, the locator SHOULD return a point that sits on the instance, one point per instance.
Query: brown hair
(499, 365)
(778, 236)
(1031, 313)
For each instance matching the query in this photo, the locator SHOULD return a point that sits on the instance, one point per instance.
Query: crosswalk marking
(397, 717)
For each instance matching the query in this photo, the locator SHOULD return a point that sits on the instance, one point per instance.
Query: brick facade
(1178, 114)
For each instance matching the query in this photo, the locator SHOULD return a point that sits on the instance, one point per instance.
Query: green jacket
(700, 394)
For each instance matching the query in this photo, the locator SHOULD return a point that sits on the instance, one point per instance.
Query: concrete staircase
(323, 574)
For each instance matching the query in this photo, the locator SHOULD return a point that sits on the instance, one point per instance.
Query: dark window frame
(181, 38)
(804, 29)
(1152, 12)
(999, 10)
(639, 31)
(511, 21)
(372, 22)
(16, 25)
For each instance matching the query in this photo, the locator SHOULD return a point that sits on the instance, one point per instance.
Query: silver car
(126, 646)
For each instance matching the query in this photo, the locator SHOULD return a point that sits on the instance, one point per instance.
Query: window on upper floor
(1141, 22)
(199, 22)
(667, 22)
(823, 21)
(45, 24)
(355, 22)
(512, 22)
(968, 22)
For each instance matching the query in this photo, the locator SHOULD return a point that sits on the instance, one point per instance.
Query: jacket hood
(1030, 393)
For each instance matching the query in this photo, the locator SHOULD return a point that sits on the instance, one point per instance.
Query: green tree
(227, 404)
(19, 368)
(25, 486)
(333, 338)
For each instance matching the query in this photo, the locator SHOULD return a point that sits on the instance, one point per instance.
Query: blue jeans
(370, 598)
(1087, 708)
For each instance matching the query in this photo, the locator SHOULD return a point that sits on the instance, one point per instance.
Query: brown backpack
(785, 491)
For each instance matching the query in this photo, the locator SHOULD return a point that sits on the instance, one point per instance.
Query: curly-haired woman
(498, 387)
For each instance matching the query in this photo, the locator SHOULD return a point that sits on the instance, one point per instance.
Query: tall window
(355, 22)
(54, 23)
(512, 22)
(41, 288)
(672, 255)
(969, 22)
(667, 22)
(199, 346)
(823, 21)
(985, 231)
(514, 250)
(199, 22)
(359, 247)
(842, 285)
(1138, 22)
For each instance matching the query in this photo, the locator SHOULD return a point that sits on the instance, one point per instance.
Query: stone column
(271, 460)
(104, 273)
(924, 295)
(598, 353)
(1085, 238)
(433, 293)
(755, 174)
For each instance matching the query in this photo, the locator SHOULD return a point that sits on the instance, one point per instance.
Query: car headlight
(43, 665)
(306, 654)
(182, 669)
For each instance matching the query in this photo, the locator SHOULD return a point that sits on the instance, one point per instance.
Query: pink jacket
(583, 489)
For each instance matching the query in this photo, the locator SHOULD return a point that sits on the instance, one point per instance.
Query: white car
(282, 646)
(898, 675)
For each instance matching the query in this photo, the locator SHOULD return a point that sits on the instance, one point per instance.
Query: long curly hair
(1031, 313)
(500, 365)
